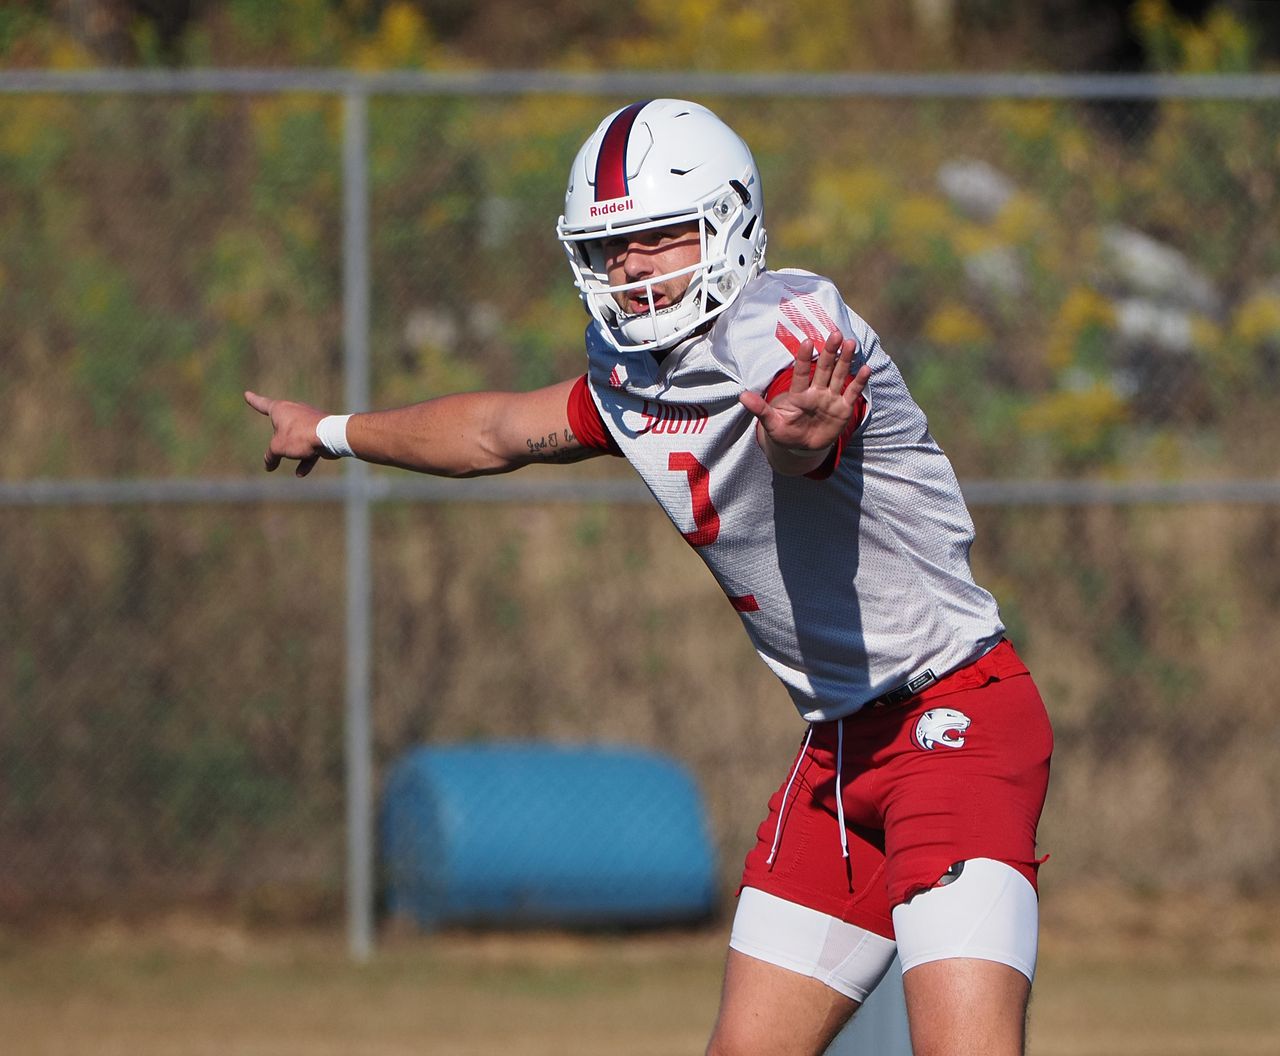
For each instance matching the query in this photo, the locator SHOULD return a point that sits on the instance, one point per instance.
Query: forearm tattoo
(556, 447)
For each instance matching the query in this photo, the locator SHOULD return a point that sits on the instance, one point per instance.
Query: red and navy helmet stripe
(611, 162)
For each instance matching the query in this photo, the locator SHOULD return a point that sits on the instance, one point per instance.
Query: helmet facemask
(714, 280)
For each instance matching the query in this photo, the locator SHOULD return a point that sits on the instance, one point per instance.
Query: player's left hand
(810, 416)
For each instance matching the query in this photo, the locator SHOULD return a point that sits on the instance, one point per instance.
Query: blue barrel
(517, 834)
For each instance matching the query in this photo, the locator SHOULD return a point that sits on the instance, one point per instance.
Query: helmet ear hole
(591, 254)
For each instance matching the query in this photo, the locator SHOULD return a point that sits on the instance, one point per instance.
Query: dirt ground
(1132, 976)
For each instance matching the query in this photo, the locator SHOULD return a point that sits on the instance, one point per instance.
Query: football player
(780, 438)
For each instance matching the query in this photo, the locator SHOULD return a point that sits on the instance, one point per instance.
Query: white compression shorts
(989, 911)
(849, 959)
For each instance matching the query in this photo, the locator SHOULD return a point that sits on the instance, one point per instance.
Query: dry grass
(1118, 975)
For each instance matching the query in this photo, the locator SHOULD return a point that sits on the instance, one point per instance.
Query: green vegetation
(172, 677)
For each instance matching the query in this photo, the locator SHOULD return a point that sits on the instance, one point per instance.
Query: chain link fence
(1080, 282)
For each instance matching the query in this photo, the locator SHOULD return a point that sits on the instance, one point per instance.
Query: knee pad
(981, 908)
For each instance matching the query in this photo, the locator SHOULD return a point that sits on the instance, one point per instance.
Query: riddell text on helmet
(617, 205)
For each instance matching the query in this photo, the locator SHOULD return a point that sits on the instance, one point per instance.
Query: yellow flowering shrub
(1027, 120)
(728, 35)
(403, 40)
(1238, 353)
(1257, 320)
(1079, 422)
(29, 126)
(970, 238)
(1023, 219)
(1083, 313)
(953, 324)
(918, 225)
(1221, 44)
(845, 211)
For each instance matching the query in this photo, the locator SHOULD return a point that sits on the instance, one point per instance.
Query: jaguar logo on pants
(941, 726)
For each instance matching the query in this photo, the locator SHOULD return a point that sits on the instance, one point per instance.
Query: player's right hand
(293, 432)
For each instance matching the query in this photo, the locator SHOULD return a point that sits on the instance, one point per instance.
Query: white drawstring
(786, 793)
(844, 836)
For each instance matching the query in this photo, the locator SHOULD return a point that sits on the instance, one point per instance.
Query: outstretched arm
(466, 435)
(798, 427)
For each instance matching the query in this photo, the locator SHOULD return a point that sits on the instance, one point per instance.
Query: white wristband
(331, 431)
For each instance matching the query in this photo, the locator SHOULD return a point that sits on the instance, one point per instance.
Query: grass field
(181, 985)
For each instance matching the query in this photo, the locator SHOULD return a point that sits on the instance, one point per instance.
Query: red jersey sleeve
(782, 383)
(586, 422)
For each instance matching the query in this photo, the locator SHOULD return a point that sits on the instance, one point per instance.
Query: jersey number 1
(706, 522)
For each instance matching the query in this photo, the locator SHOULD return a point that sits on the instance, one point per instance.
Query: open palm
(824, 391)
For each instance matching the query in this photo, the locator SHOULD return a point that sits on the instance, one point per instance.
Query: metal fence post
(359, 624)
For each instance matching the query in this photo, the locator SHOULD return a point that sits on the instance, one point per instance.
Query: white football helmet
(665, 161)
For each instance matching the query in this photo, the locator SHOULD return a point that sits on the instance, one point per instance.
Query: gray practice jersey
(849, 586)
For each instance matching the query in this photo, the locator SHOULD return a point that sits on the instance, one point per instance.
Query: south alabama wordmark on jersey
(901, 598)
